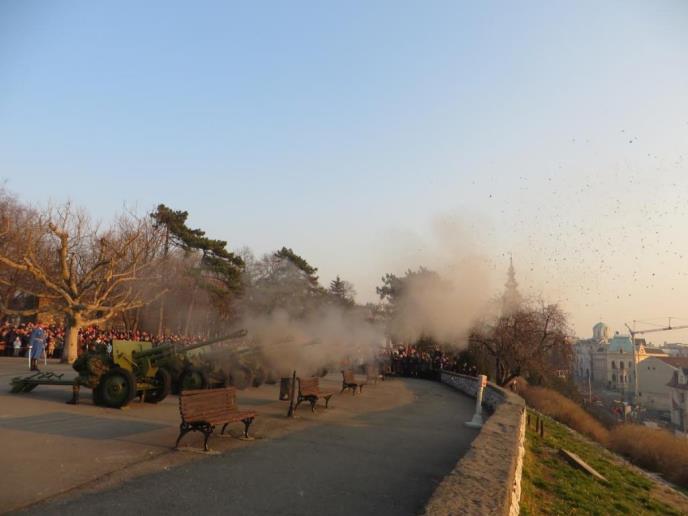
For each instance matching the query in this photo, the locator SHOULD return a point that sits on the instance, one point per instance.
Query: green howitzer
(133, 369)
(236, 364)
(186, 369)
(246, 365)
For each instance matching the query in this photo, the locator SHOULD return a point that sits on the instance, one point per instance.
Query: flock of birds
(598, 241)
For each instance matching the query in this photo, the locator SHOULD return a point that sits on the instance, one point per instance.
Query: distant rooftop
(678, 362)
(620, 343)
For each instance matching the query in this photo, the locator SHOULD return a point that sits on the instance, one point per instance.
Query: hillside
(551, 486)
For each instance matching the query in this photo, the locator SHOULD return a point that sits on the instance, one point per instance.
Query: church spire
(511, 299)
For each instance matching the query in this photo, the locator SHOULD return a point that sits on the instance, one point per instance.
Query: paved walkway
(378, 463)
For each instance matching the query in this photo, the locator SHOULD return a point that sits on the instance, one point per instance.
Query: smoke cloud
(327, 338)
(444, 302)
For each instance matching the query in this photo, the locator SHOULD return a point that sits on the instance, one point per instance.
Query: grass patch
(551, 486)
(652, 449)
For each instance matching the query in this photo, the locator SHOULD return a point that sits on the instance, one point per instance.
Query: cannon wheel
(116, 388)
(322, 372)
(164, 381)
(240, 377)
(193, 378)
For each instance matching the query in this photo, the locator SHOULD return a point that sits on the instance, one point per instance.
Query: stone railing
(487, 480)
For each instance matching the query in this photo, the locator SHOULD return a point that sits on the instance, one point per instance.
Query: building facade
(590, 361)
(655, 374)
(678, 386)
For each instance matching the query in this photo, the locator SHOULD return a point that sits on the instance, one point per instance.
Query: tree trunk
(166, 250)
(189, 312)
(71, 345)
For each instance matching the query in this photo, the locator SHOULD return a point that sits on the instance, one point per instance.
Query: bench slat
(220, 417)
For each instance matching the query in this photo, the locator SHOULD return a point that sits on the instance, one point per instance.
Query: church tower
(511, 299)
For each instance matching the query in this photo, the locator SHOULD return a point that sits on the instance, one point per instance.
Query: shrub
(566, 411)
(653, 449)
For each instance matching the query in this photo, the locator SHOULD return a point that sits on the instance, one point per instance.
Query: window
(613, 365)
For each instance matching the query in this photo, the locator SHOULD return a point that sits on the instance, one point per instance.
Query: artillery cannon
(133, 369)
(186, 370)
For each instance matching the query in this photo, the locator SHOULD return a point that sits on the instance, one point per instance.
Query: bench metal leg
(327, 401)
(183, 430)
(205, 429)
(352, 386)
(247, 422)
(313, 402)
(223, 429)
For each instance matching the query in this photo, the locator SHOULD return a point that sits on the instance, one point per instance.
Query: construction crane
(635, 358)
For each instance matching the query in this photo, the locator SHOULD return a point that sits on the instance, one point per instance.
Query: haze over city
(373, 139)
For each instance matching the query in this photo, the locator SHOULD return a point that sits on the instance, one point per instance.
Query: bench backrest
(199, 402)
(309, 386)
(348, 376)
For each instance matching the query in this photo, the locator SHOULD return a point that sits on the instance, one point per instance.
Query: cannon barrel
(171, 349)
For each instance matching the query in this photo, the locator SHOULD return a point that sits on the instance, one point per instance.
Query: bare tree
(532, 341)
(86, 273)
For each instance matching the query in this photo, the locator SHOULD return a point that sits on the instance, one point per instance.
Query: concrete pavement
(379, 453)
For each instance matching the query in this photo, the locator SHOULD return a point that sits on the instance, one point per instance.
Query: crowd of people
(15, 339)
(406, 360)
(418, 362)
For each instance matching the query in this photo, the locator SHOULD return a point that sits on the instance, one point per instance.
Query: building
(620, 371)
(600, 332)
(620, 367)
(675, 349)
(511, 298)
(654, 375)
(590, 356)
(678, 386)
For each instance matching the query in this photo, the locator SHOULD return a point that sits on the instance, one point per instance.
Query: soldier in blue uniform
(37, 343)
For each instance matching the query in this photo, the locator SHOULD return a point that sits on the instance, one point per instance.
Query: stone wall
(487, 480)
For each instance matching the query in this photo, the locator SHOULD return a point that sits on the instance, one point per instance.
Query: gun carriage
(133, 369)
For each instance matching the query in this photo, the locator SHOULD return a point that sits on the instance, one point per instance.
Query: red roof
(678, 362)
(655, 351)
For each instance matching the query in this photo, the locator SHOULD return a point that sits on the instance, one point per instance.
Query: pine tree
(218, 270)
(342, 292)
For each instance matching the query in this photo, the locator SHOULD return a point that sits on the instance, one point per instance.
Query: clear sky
(557, 131)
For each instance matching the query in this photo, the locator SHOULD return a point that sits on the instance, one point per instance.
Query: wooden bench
(203, 409)
(373, 374)
(349, 382)
(309, 390)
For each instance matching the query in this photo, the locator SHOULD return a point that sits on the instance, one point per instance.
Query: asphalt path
(382, 463)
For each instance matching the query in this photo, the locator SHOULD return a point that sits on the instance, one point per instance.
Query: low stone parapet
(487, 479)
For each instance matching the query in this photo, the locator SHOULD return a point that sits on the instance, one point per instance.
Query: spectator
(37, 345)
